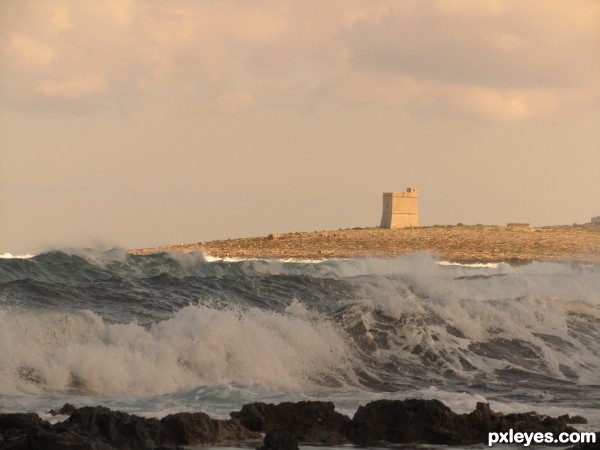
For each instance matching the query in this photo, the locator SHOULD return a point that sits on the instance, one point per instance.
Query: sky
(137, 123)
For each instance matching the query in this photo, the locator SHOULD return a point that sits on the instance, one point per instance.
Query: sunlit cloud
(24, 52)
(74, 88)
(495, 60)
(235, 101)
(505, 42)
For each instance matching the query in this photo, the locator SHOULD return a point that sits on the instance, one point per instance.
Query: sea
(171, 332)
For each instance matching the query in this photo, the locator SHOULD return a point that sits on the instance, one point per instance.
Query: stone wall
(400, 209)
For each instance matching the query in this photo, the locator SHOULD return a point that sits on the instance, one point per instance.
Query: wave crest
(80, 352)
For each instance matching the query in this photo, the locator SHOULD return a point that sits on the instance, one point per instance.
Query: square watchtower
(400, 209)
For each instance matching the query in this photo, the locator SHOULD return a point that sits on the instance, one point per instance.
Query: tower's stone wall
(400, 209)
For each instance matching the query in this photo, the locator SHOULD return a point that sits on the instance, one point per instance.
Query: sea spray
(164, 332)
(79, 352)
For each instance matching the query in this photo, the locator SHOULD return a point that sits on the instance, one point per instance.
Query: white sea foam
(451, 263)
(210, 258)
(11, 256)
(79, 352)
(547, 310)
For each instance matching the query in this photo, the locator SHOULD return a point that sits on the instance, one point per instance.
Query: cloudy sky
(145, 122)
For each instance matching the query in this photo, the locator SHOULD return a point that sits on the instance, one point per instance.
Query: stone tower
(400, 209)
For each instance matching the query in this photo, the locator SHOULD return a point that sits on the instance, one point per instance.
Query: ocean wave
(112, 323)
(79, 352)
(378, 344)
(73, 264)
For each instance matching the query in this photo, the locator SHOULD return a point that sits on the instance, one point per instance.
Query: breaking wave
(110, 323)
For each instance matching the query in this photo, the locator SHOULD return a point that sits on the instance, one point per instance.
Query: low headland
(458, 243)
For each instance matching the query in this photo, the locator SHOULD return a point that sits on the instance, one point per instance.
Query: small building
(400, 209)
(596, 220)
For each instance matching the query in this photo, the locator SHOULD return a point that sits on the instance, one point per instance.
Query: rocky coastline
(460, 243)
(274, 426)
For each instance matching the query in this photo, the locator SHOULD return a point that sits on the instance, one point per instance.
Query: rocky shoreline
(274, 426)
(454, 243)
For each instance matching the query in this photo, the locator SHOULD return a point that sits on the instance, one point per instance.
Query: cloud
(260, 27)
(121, 11)
(496, 60)
(470, 7)
(425, 98)
(506, 49)
(505, 42)
(74, 88)
(235, 101)
(23, 50)
(492, 105)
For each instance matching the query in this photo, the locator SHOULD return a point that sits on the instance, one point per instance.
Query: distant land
(459, 243)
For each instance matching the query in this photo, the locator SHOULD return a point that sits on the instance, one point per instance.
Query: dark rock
(162, 447)
(121, 430)
(17, 428)
(306, 421)
(200, 429)
(483, 421)
(573, 419)
(399, 421)
(403, 421)
(16, 423)
(99, 428)
(40, 439)
(279, 440)
(67, 409)
(431, 422)
(28, 431)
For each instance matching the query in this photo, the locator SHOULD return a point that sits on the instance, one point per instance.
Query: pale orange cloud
(23, 50)
(235, 101)
(505, 42)
(495, 105)
(429, 97)
(74, 88)
(471, 7)
(496, 60)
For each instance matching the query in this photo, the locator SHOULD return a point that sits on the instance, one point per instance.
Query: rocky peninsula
(458, 243)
